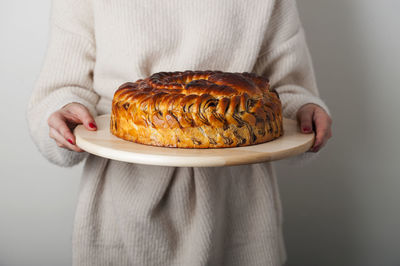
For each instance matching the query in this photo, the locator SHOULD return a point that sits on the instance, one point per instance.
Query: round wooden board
(103, 143)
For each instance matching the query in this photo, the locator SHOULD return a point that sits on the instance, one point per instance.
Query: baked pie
(197, 109)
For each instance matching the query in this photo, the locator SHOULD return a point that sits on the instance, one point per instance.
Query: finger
(322, 125)
(319, 147)
(58, 122)
(324, 141)
(62, 142)
(78, 113)
(305, 120)
(59, 144)
(54, 136)
(330, 134)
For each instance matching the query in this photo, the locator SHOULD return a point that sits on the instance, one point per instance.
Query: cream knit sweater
(132, 214)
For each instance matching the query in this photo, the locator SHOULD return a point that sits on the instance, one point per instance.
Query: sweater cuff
(37, 120)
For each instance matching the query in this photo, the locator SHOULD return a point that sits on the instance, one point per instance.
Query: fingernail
(315, 149)
(306, 129)
(70, 141)
(92, 125)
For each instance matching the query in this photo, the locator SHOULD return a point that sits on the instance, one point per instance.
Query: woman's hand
(311, 118)
(63, 121)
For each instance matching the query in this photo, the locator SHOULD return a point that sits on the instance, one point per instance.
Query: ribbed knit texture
(132, 214)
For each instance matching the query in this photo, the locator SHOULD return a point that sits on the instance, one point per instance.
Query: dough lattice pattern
(197, 109)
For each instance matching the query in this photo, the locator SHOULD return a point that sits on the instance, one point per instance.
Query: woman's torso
(176, 216)
(137, 38)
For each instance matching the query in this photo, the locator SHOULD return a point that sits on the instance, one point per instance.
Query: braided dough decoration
(197, 109)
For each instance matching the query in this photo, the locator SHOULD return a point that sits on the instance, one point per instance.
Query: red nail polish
(306, 129)
(92, 125)
(70, 141)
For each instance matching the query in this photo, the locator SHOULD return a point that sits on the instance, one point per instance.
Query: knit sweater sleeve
(286, 61)
(66, 75)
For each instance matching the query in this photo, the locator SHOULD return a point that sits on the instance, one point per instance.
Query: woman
(132, 214)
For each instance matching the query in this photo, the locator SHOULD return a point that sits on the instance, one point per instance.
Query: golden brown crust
(197, 109)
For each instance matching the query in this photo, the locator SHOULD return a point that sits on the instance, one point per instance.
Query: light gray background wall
(342, 209)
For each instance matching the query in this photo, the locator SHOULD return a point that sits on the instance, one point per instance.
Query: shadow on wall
(321, 214)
